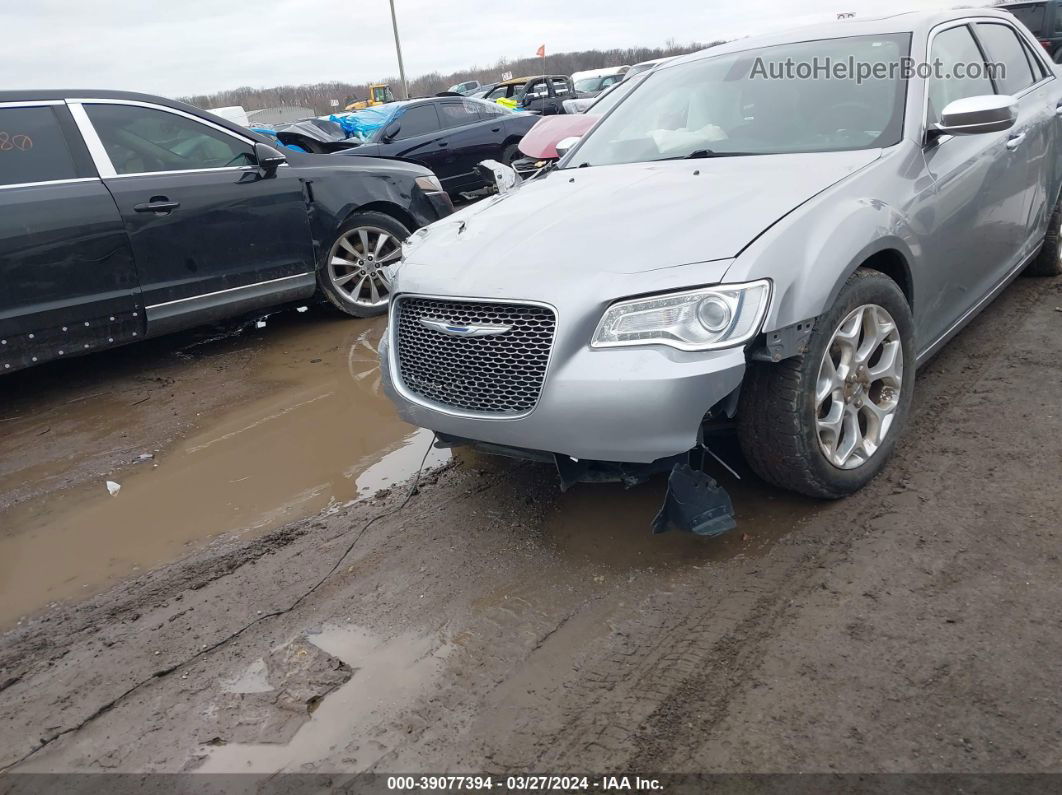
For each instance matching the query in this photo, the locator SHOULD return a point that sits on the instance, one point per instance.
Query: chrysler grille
(500, 374)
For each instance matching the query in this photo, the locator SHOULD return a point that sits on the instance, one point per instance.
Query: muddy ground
(495, 624)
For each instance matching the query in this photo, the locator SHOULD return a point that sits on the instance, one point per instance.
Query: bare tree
(319, 95)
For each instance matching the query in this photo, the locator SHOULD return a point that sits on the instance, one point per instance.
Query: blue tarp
(363, 123)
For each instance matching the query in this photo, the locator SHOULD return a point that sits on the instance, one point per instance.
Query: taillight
(1045, 44)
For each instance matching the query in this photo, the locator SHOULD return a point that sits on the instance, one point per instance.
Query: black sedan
(124, 216)
(449, 135)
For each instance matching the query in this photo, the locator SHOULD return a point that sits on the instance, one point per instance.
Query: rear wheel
(824, 423)
(356, 276)
(1049, 261)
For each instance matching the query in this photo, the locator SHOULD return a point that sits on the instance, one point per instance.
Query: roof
(95, 93)
(903, 22)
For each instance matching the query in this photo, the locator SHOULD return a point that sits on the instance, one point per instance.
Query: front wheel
(356, 276)
(824, 423)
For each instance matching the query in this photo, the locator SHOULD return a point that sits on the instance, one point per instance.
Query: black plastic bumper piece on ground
(695, 503)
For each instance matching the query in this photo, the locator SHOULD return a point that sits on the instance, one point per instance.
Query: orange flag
(541, 51)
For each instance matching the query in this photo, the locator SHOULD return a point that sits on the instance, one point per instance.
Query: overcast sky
(201, 46)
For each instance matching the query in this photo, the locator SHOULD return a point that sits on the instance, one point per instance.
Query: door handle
(1015, 140)
(158, 204)
(498, 129)
(443, 143)
(1058, 109)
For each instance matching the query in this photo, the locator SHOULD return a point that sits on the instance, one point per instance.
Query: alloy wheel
(858, 387)
(359, 265)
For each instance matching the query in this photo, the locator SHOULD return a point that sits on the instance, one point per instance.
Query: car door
(1029, 142)
(973, 211)
(212, 234)
(420, 137)
(474, 137)
(1026, 79)
(67, 277)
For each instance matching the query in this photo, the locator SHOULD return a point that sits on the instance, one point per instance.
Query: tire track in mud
(674, 671)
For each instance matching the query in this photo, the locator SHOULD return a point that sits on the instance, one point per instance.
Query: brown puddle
(318, 431)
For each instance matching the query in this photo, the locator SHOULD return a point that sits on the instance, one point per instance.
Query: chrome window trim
(99, 153)
(92, 141)
(396, 378)
(200, 296)
(32, 103)
(70, 181)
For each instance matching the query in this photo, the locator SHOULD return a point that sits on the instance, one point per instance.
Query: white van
(593, 81)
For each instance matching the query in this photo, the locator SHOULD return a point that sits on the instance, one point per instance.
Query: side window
(142, 140)
(952, 47)
(489, 111)
(418, 120)
(1039, 70)
(1002, 47)
(33, 147)
(560, 86)
(457, 114)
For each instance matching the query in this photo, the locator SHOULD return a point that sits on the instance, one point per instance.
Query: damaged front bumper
(630, 405)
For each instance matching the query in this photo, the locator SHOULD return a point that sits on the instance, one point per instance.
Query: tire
(353, 280)
(1049, 261)
(509, 154)
(780, 414)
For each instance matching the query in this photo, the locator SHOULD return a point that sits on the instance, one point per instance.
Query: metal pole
(398, 49)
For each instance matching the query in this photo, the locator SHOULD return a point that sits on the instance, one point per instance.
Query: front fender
(810, 254)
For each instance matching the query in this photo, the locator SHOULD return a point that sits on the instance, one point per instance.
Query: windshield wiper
(697, 154)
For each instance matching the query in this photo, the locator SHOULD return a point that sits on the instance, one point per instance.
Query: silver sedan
(772, 233)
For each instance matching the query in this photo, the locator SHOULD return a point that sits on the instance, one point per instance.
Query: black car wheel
(824, 423)
(356, 276)
(509, 154)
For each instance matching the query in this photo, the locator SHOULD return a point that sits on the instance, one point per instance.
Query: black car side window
(1002, 46)
(33, 147)
(140, 140)
(458, 114)
(418, 120)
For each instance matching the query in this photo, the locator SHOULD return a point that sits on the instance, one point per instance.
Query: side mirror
(974, 115)
(504, 178)
(268, 158)
(391, 130)
(564, 145)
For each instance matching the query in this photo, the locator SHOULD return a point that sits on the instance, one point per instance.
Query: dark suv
(124, 216)
(1044, 19)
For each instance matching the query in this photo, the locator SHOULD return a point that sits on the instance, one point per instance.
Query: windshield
(613, 94)
(589, 84)
(755, 103)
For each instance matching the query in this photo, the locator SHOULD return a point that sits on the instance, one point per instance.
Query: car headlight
(429, 184)
(692, 320)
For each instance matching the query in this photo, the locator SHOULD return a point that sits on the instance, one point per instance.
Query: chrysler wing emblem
(456, 330)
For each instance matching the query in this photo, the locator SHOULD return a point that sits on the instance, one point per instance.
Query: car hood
(633, 217)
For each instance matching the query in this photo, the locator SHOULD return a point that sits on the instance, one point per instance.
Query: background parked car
(603, 102)
(450, 136)
(124, 216)
(644, 66)
(593, 82)
(466, 87)
(1044, 19)
(544, 94)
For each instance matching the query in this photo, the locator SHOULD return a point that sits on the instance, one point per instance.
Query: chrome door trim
(200, 296)
(71, 181)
